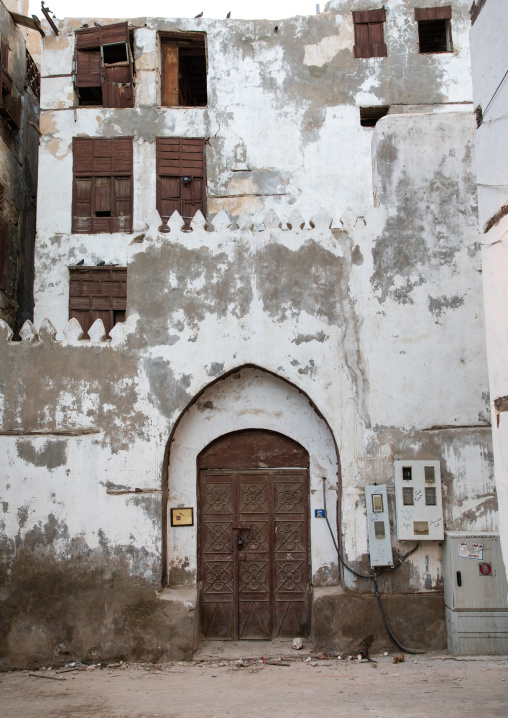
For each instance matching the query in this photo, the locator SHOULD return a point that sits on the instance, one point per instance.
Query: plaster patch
(325, 50)
(52, 454)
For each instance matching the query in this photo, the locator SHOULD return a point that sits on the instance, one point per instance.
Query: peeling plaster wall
(491, 94)
(18, 174)
(373, 309)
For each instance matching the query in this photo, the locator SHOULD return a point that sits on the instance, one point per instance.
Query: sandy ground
(427, 686)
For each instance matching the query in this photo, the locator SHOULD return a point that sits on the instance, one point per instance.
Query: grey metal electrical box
(418, 499)
(476, 594)
(378, 524)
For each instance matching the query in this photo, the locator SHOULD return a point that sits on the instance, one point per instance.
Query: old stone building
(256, 291)
(19, 140)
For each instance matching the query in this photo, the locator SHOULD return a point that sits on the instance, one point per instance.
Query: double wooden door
(254, 553)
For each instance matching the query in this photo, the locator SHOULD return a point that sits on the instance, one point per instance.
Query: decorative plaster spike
(5, 332)
(28, 332)
(47, 332)
(97, 332)
(271, 221)
(72, 330)
(348, 219)
(221, 221)
(244, 221)
(296, 221)
(154, 220)
(117, 334)
(198, 221)
(321, 220)
(258, 227)
(175, 222)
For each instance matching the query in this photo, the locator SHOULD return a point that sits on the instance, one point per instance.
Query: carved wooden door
(254, 556)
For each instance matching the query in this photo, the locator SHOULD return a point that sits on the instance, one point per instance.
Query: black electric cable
(371, 576)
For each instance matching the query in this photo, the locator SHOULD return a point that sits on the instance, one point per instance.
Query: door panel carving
(254, 550)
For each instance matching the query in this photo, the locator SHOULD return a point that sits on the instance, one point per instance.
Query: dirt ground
(422, 686)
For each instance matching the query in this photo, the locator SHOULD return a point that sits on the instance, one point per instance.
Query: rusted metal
(256, 588)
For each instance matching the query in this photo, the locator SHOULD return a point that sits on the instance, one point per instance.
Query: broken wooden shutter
(104, 60)
(102, 197)
(433, 13)
(369, 40)
(117, 88)
(98, 293)
(181, 179)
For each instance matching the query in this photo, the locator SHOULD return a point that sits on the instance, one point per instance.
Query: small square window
(430, 475)
(434, 29)
(407, 496)
(407, 473)
(430, 496)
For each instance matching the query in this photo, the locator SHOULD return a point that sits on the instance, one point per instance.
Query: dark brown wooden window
(369, 40)
(181, 178)
(183, 70)
(102, 192)
(4, 239)
(103, 67)
(434, 29)
(98, 293)
(33, 77)
(10, 105)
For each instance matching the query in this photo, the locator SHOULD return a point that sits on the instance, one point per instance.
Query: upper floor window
(183, 69)
(369, 39)
(181, 181)
(103, 67)
(102, 189)
(434, 29)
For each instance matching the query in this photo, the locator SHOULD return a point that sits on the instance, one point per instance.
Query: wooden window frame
(435, 14)
(114, 80)
(369, 33)
(10, 105)
(179, 168)
(173, 90)
(96, 162)
(98, 293)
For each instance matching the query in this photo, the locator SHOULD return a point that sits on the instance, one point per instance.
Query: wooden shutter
(369, 40)
(433, 13)
(4, 237)
(98, 293)
(170, 84)
(88, 68)
(177, 158)
(102, 194)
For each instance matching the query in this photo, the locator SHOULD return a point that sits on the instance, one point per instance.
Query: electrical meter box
(418, 500)
(378, 523)
(476, 594)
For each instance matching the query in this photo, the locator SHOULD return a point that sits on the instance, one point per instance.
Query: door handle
(241, 540)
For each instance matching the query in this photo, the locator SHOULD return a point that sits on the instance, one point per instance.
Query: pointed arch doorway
(253, 537)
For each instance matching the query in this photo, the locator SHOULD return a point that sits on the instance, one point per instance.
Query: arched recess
(248, 398)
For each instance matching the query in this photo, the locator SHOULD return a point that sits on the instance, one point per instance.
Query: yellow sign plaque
(182, 517)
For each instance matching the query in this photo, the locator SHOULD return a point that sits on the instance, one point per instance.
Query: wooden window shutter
(369, 40)
(4, 238)
(98, 293)
(179, 158)
(102, 193)
(88, 68)
(433, 13)
(170, 85)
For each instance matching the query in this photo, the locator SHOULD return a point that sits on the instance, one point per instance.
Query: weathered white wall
(490, 84)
